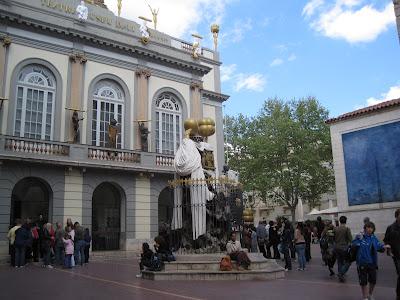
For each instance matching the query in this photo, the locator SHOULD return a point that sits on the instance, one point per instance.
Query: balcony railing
(23, 145)
(113, 155)
(17, 148)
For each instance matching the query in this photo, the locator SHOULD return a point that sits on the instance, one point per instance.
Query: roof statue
(82, 12)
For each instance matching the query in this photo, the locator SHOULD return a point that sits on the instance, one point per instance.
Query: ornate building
(63, 82)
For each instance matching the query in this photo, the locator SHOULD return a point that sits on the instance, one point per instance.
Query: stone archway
(106, 217)
(30, 198)
(165, 207)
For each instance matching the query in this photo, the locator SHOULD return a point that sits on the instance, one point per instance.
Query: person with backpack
(21, 240)
(11, 238)
(327, 244)
(234, 250)
(343, 239)
(146, 259)
(367, 259)
(392, 241)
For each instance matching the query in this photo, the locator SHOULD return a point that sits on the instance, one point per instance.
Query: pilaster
(196, 109)
(141, 103)
(142, 208)
(4, 50)
(73, 194)
(78, 61)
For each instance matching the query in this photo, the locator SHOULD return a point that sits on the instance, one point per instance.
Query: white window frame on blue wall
(109, 95)
(35, 80)
(168, 131)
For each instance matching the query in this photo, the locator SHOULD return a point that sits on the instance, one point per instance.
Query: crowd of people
(35, 241)
(337, 243)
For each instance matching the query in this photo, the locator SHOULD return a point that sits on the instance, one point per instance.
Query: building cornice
(28, 42)
(135, 49)
(214, 96)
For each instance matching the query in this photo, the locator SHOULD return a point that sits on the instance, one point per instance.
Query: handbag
(225, 264)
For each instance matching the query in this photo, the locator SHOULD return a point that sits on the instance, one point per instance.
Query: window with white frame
(168, 124)
(36, 93)
(108, 104)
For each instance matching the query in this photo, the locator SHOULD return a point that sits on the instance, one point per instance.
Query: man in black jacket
(392, 238)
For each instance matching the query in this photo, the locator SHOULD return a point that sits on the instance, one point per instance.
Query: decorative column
(141, 104)
(6, 41)
(78, 61)
(196, 109)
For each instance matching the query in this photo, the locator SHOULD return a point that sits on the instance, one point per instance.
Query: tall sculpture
(119, 5)
(75, 124)
(112, 134)
(196, 47)
(154, 12)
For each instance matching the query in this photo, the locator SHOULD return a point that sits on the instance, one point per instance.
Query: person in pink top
(69, 250)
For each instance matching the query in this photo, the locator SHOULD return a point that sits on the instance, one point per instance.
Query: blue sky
(346, 53)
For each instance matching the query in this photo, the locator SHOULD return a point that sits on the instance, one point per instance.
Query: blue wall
(372, 163)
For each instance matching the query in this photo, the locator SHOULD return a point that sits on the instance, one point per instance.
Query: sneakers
(49, 267)
(139, 275)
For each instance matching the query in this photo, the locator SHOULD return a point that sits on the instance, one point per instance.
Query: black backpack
(156, 263)
(352, 253)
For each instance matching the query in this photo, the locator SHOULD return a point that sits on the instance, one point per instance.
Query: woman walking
(300, 244)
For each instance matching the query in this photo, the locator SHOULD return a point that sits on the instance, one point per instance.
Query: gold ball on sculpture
(248, 215)
(214, 28)
(191, 124)
(203, 130)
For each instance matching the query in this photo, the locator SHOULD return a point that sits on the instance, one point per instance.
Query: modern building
(60, 164)
(366, 155)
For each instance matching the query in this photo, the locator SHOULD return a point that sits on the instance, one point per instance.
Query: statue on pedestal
(144, 132)
(112, 134)
(75, 124)
(82, 12)
(144, 30)
(154, 12)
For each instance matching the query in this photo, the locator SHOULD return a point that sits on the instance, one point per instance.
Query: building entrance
(106, 217)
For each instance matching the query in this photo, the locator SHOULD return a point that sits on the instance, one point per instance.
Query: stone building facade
(366, 155)
(51, 64)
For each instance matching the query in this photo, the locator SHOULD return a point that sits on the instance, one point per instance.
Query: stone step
(211, 265)
(269, 274)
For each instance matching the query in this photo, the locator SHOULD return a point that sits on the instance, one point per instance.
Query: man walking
(343, 239)
(392, 240)
(261, 237)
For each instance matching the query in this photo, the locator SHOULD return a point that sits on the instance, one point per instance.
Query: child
(145, 260)
(367, 259)
(69, 250)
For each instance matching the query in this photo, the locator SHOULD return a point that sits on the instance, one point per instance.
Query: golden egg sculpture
(248, 216)
(191, 124)
(203, 131)
(209, 121)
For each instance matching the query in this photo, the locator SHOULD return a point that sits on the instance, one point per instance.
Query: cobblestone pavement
(116, 280)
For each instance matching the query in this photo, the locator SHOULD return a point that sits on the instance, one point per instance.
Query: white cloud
(227, 72)
(240, 28)
(393, 93)
(276, 62)
(292, 57)
(176, 17)
(253, 82)
(311, 7)
(348, 20)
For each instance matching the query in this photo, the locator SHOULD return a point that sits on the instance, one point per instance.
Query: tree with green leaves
(283, 153)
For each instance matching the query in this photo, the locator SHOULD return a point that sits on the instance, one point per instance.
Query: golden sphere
(202, 122)
(203, 130)
(214, 28)
(191, 124)
(209, 121)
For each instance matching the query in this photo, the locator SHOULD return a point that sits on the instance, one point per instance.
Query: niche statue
(144, 132)
(75, 124)
(112, 134)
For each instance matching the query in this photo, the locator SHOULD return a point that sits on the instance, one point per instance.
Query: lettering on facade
(60, 6)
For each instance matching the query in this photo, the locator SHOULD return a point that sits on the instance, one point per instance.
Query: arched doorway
(106, 217)
(165, 208)
(31, 198)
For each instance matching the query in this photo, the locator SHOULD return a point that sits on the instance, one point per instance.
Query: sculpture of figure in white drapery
(188, 162)
(82, 12)
(144, 30)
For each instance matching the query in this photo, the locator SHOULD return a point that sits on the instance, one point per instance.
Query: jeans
(59, 254)
(19, 256)
(397, 265)
(79, 252)
(87, 247)
(46, 255)
(261, 246)
(68, 261)
(12, 254)
(277, 255)
(286, 255)
(301, 255)
(342, 262)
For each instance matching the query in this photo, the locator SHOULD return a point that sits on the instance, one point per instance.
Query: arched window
(108, 104)
(168, 123)
(34, 114)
